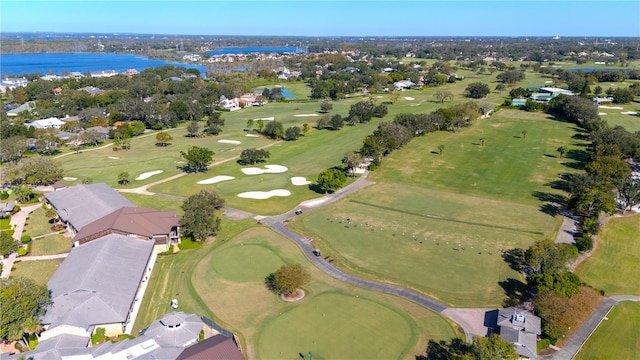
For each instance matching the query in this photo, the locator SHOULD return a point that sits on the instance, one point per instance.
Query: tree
(511, 76)
(562, 150)
(37, 170)
(260, 125)
(331, 179)
(214, 125)
(628, 191)
(326, 106)
(90, 137)
(393, 97)
(193, 128)
(22, 299)
(440, 149)
(12, 149)
(7, 243)
(23, 193)
(482, 140)
(563, 283)
(47, 144)
(199, 219)
(443, 95)
(622, 95)
(493, 347)
(501, 87)
(292, 133)
(274, 130)
(250, 124)
(351, 161)
(597, 90)
(477, 90)
(524, 133)
(561, 315)
(337, 122)
(289, 278)
(519, 92)
(124, 178)
(305, 129)
(163, 138)
(197, 158)
(252, 156)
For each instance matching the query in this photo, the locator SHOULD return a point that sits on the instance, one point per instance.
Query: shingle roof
(57, 347)
(175, 329)
(216, 347)
(531, 324)
(85, 203)
(132, 220)
(97, 282)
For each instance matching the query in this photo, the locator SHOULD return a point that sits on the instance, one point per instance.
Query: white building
(51, 122)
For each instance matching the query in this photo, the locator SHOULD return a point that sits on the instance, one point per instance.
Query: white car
(174, 303)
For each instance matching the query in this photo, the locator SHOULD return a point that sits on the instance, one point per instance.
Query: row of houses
(101, 283)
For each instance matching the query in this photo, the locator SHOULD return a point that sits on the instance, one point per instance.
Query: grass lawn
(50, 245)
(615, 117)
(155, 202)
(225, 281)
(616, 260)
(4, 224)
(615, 338)
(39, 271)
(438, 223)
(37, 224)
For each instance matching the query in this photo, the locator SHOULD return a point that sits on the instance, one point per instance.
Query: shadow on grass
(514, 289)
(515, 258)
(549, 197)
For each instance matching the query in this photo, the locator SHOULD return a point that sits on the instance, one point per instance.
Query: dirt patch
(292, 298)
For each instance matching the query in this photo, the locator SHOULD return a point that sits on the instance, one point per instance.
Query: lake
(18, 64)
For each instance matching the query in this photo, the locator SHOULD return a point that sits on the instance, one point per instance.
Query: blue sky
(327, 18)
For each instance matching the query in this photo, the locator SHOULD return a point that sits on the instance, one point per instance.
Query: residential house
(92, 90)
(48, 123)
(162, 227)
(7, 208)
(12, 83)
(96, 286)
(28, 106)
(217, 347)
(104, 73)
(404, 84)
(102, 130)
(80, 205)
(521, 328)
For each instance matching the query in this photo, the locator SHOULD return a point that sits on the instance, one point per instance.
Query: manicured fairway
(246, 263)
(336, 325)
(155, 202)
(438, 223)
(618, 337)
(615, 266)
(39, 271)
(50, 245)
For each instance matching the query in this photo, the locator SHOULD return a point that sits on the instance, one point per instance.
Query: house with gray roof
(521, 328)
(7, 208)
(80, 205)
(96, 285)
(28, 106)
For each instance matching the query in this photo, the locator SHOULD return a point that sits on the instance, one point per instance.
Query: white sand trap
(611, 107)
(234, 142)
(269, 169)
(548, 82)
(252, 135)
(408, 98)
(149, 174)
(261, 195)
(267, 118)
(602, 113)
(114, 157)
(69, 178)
(305, 115)
(629, 113)
(299, 181)
(215, 179)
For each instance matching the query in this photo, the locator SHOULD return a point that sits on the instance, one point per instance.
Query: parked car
(174, 303)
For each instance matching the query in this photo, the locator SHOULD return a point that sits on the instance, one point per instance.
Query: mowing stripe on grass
(435, 217)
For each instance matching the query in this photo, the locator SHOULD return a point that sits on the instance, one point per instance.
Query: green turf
(615, 262)
(5, 224)
(337, 325)
(618, 337)
(50, 245)
(155, 202)
(246, 263)
(39, 271)
(37, 224)
(438, 223)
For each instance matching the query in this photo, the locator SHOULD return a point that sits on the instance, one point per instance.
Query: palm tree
(481, 141)
(31, 326)
(524, 134)
(562, 150)
(440, 149)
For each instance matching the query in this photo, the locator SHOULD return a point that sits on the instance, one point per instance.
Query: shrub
(168, 252)
(372, 167)
(4, 195)
(201, 336)
(16, 209)
(98, 336)
(543, 344)
(25, 239)
(591, 225)
(33, 341)
(22, 252)
(584, 243)
(189, 243)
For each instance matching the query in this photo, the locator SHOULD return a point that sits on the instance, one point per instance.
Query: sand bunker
(114, 157)
(299, 181)
(602, 113)
(267, 118)
(408, 98)
(269, 169)
(234, 142)
(215, 179)
(548, 82)
(629, 113)
(304, 115)
(611, 107)
(69, 178)
(261, 195)
(252, 135)
(149, 174)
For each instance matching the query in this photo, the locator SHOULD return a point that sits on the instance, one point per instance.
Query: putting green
(250, 262)
(337, 326)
